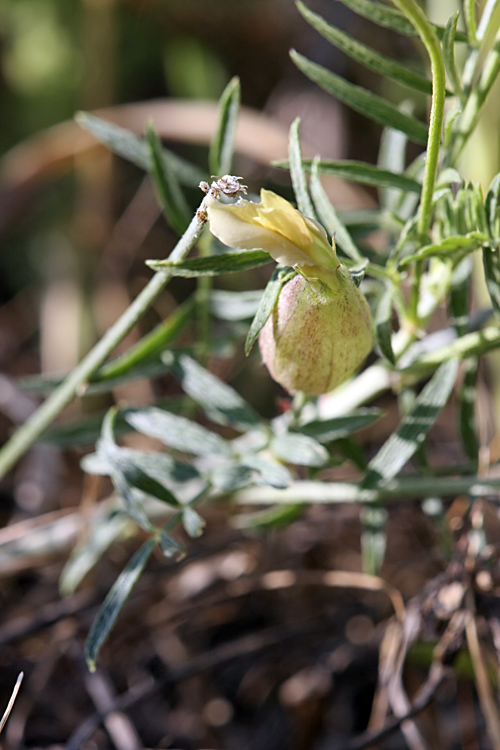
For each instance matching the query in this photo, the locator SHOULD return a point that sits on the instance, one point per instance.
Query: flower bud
(318, 334)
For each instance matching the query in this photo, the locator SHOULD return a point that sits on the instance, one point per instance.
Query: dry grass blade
(12, 700)
(488, 703)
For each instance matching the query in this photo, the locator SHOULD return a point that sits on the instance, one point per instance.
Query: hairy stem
(426, 32)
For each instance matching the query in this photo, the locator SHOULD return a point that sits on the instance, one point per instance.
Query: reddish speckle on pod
(318, 334)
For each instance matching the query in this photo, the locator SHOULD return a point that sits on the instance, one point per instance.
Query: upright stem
(26, 435)
(426, 32)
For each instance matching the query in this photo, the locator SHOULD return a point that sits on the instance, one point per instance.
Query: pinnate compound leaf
(104, 529)
(365, 55)
(213, 265)
(391, 18)
(177, 432)
(219, 401)
(454, 247)
(114, 602)
(414, 428)
(361, 100)
(220, 156)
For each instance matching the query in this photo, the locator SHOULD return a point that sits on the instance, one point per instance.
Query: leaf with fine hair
(213, 265)
(368, 57)
(115, 601)
(297, 173)
(330, 218)
(177, 432)
(362, 100)
(414, 428)
(218, 400)
(220, 156)
(391, 18)
(166, 184)
(358, 171)
(134, 148)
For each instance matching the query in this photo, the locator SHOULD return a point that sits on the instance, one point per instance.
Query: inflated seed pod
(318, 334)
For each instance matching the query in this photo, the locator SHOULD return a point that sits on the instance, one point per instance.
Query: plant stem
(26, 435)
(426, 32)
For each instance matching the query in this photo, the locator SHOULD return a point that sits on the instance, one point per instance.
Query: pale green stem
(476, 100)
(426, 32)
(26, 435)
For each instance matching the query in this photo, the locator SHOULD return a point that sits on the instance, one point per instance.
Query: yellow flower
(320, 329)
(274, 226)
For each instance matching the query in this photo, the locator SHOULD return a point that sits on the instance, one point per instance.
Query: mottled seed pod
(318, 334)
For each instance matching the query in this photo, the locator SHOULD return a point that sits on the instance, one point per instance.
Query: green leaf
(122, 461)
(227, 305)
(213, 265)
(365, 55)
(271, 518)
(491, 262)
(299, 449)
(151, 345)
(220, 156)
(467, 399)
(281, 275)
(170, 546)
(161, 466)
(297, 173)
(219, 401)
(492, 208)
(192, 522)
(134, 149)
(114, 602)
(383, 325)
(361, 100)
(391, 18)
(336, 428)
(449, 54)
(329, 217)
(358, 171)
(167, 188)
(271, 473)
(414, 428)
(101, 532)
(392, 157)
(232, 476)
(177, 432)
(454, 247)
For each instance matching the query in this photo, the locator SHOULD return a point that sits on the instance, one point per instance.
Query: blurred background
(286, 668)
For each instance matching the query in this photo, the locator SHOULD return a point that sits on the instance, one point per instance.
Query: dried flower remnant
(320, 330)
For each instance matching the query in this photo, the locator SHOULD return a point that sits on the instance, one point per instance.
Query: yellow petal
(229, 225)
(274, 226)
